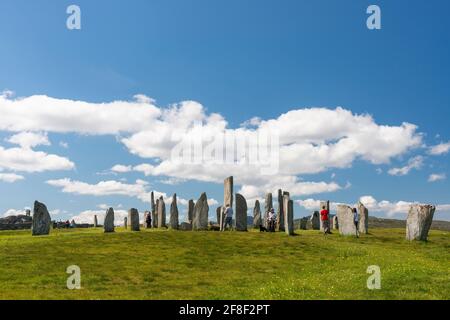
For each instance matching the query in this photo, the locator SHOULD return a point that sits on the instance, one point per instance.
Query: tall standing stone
(153, 211)
(133, 218)
(280, 211)
(419, 221)
(315, 220)
(268, 205)
(125, 223)
(346, 222)
(363, 225)
(218, 214)
(190, 217)
(288, 210)
(161, 213)
(303, 223)
(335, 223)
(173, 222)
(95, 221)
(41, 220)
(108, 225)
(228, 192)
(201, 210)
(257, 220)
(325, 204)
(241, 213)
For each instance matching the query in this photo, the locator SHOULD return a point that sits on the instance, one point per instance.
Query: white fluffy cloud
(10, 177)
(437, 177)
(439, 149)
(311, 140)
(413, 163)
(29, 139)
(28, 160)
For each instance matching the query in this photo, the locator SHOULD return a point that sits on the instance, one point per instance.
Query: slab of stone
(304, 223)
(346, 222)
(41, 220)
(190, 216)
(161, 213)
(363, 213)
(133, 219)
(257, 218)
(184, 226)
(201, 210)
(95, 221)
(125, 223)
(241, 213)
(288, 210)
(173, 221)
(108, 225)
(315, 220)
(419, 221)
(268, 205)
(228, 192)
(280, 211)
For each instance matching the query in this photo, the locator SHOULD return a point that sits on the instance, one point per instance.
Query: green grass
(214, 265)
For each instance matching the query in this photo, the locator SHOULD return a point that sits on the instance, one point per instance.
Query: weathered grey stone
(173, 222)
(28, 213)
(325, 204)
(303, 223)
(218, 214)
(315, 220)
(154, 211)
(201, 210)
(335, 223)
(184, 226)
(154, 220)
(288, 210)
(268, 205)
(125, 223)
(280, 211)
(95, 221)
(363, 225)
(108, 225)
(228, 192)
(346, 222)
(41, 220)
(257, 219)
(133, 218)
(161, 213)
(419, 222)
(190, 216)
(241, 213)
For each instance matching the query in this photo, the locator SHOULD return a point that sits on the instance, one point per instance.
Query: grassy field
(213, 265)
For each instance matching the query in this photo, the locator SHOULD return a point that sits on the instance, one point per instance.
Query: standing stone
(315, 220)
(201, 211)
(133, 217)
(363, 225)
(335, 223)
(28, 213)
(280, 211)
(108, 225)
(241, 213)
(419, 221)
(346, 222)
(325, 204)
(125, 223)
(153, 211)
(218, 214)
(173, 222)
(257, 221)
(268, 205)
(154, 220)
(190, 217)
(95, 221)
(303, 223)
(41, 220)
(288, 211)
(228, 192)
(161, 213)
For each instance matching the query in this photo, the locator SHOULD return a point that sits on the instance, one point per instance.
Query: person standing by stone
(271, 220)
(356, 221)
(324, 217)
(228, 218)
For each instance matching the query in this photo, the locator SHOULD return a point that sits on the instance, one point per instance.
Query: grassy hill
(230, 265)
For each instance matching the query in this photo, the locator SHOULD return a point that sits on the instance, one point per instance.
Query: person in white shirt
(228, 217)
(356, 221)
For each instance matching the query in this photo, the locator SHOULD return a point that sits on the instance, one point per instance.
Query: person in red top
(324, 216)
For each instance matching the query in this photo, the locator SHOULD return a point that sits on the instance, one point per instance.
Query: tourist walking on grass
(228, 218)
(356, 221)
(324, 217)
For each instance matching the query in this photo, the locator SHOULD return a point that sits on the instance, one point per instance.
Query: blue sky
(240, 59)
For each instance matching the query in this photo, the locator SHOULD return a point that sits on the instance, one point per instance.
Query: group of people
(325, 218)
